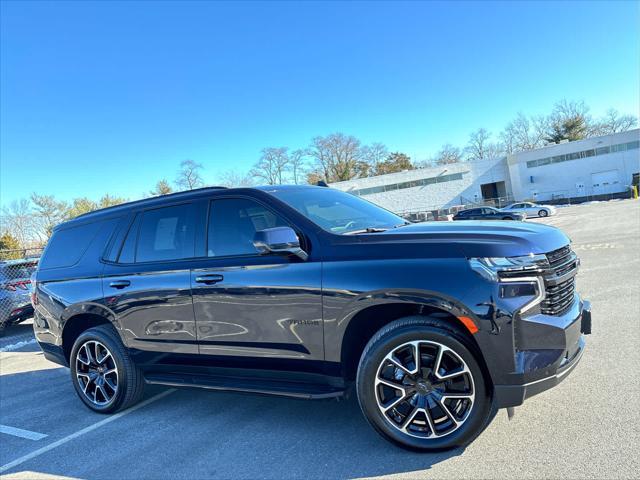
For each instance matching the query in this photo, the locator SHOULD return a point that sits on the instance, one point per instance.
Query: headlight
(519, 277)
(492, 267)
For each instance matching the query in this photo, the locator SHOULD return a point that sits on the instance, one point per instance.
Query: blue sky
(110, 97)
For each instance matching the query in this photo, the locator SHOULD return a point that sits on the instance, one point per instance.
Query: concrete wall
(575, 178)
(607, 173)
(435, 195)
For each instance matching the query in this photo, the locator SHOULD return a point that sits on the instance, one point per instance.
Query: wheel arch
(79, 318)
(366, 321)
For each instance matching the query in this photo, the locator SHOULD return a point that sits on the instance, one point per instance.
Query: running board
(259, 386)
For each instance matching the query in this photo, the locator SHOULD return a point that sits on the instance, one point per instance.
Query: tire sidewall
(367, 372)
(94, 334)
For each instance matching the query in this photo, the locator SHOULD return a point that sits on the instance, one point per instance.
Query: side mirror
(279, 240)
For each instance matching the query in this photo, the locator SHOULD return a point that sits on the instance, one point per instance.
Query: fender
(340, 311)
(89, 308)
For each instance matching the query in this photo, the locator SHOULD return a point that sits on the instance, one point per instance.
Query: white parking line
(15, 346)
(18, 432)
(90, 428)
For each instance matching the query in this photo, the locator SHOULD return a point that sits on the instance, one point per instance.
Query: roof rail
(142, 200)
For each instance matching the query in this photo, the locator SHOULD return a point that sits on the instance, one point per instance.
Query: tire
(543, 213)
(421, 433)
(507, 218)
(89, 374)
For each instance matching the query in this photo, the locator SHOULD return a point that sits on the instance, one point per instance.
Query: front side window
(233, 223)
(166, 234)
(337, 211)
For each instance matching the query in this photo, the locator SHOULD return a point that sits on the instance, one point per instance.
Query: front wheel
(103, 375)
(420, 386)
(543, 213)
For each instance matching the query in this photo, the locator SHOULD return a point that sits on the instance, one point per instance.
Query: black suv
(488, 213)
(303, 292)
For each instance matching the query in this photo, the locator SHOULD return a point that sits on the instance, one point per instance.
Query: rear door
(249, 305)
(148, 285)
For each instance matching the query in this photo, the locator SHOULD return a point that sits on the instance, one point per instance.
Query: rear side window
(67, 246)
(165, 234)
(128, 252)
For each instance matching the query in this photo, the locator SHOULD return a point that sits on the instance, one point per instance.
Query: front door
(148, 286)
(250, 305)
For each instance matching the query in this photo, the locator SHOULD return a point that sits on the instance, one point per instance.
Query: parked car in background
(530, 209)
(15, 283)
(488, 213)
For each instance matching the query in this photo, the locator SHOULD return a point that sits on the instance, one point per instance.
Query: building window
(414, 183)
(621, 147)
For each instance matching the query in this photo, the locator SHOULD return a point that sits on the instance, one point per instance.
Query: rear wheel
(543, 213)
(420, 386)
(103, 375)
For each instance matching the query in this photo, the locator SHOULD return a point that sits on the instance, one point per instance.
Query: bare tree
(162, 188)
(297, 165)
(478, 142)
(337, 157)
(189, 176)
(448, 154)
(233, 178)
(48, 212)
(613, 122)
(523, 133)
(272, 166)
(479, 146)
(19, 222)
(374, 154)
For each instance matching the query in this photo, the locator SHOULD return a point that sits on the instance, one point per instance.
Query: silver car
(15, 291)
(531, 209)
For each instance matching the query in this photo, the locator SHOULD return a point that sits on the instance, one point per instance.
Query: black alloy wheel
(420, 386)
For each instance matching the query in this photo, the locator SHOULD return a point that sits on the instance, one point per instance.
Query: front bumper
(542, 366)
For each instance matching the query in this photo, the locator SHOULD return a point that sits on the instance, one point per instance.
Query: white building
(594, 166)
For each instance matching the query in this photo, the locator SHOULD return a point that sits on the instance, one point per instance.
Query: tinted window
(128, 252)
(166, 234)
(67, 246)
(337, 211)
(233, 223)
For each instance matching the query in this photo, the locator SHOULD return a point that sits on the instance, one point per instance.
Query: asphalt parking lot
(587, 427)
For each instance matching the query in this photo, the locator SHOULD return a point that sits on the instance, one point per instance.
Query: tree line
(332, 158)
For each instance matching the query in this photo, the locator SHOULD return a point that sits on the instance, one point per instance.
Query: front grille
(559, 281)
(558, 256)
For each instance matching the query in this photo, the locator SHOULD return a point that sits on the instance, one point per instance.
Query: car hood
(477, 238)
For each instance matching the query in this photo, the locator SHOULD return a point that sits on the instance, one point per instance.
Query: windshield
(337, 211)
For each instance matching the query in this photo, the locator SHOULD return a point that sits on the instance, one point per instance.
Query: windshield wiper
(367, 230)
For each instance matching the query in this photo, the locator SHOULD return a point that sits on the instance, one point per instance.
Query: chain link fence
(16, 268)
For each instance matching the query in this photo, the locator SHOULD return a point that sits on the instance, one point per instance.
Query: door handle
(209, 279)
(119, 284)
